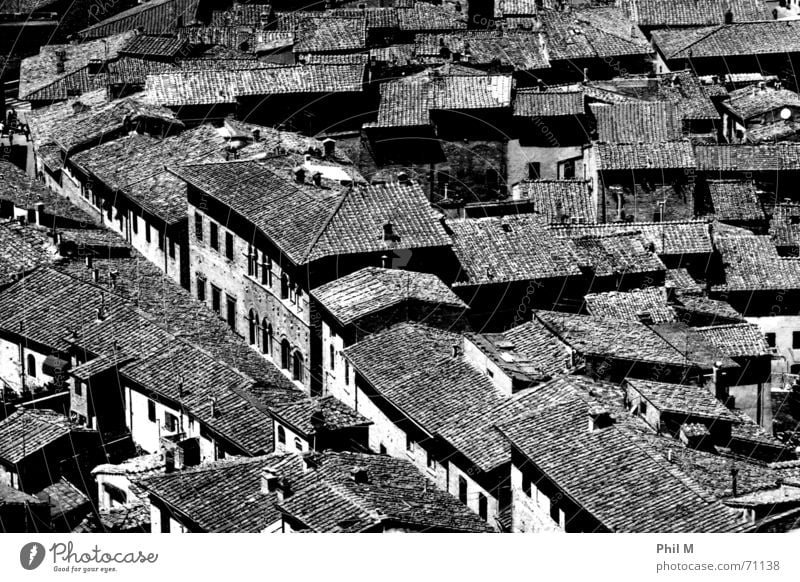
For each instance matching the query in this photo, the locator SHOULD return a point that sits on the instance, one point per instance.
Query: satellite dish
(786, 113)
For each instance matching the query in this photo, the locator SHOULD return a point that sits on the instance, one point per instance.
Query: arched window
(266, 339)
(253, 327)
(297, 366)
(281, 435)
(285, 354)
(31, 366)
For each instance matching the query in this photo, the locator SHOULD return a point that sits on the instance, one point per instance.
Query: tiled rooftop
(158, 17)
(645, 156)
(645, 122)
(653, 13)
(631, 305)
(669, 237)
(534, 103)
(735, 200)
(558, 200)
(26, 432)
(373, 289)
(751, 101)
(683, 399)
(743, 158)
(512, 248)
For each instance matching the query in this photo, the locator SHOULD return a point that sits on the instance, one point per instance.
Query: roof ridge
(305, 256)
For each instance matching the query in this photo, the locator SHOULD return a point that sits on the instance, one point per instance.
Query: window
(78, 388)
(213, 236)
(147, 231)
(229, 246)
(567, 169)
(770, 337)
(266, 340)
(135, 223)
(796, 340)
(483, 506)
(171, 249)
(252, 262)
(198, 226)
(347, 373)
(534, 170)
(429, 460)
(462, 490)
(281, 435)
(216, 298)
(284, 286)
(151, 411)
(297, 366)
(253, 327)
(332, 356)
(298, 444)
(255, 263)
(115, 494)
(642, 407)
(266, 270)
(285, 355)
(170, 422)
(526, 485)
(231, 311)
(201, 289)
(31, 366)
(161, 237)
(409, 444)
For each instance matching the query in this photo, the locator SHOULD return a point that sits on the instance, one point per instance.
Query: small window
(216, 298)
(568, 170)
(266, 339)
(281, 435)
(170, 422)
(198, 226)
(285, 354)
(230, 304)
(213, 236)
(266, 270)
(430, 461)
(483, 506)
(526, 485)
(298, 444)
(534, 170)
(201, 289)
(770, 337)
(332, 353)
(409, 444)
(135, 223)
(252, 261)
(31, 366)
(78, 388)
(347, 373)
(229, 246)
(462, 490)
(284, 286)
(115, 494)
(796, 340)
(642, 407)
(252, 322)
(151, 410)
(147, 236)
(297, 366)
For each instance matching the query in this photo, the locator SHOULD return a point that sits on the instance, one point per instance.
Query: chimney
(256, 135)
(403, 178)
(101, 313)
(95, 274)
(39, 212)
(728, 16)
(299, 175)
(214, 407)
(359, 475)
(89, 261)
(307, 158)
(112, 275)
(283, 489)
(316, 178)
(670, 289)
(329, 146)
(734, 481)
(95, 66)
(599, 418)
(455, 350)
(386, 262)
(269, 482)
(388, 231)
